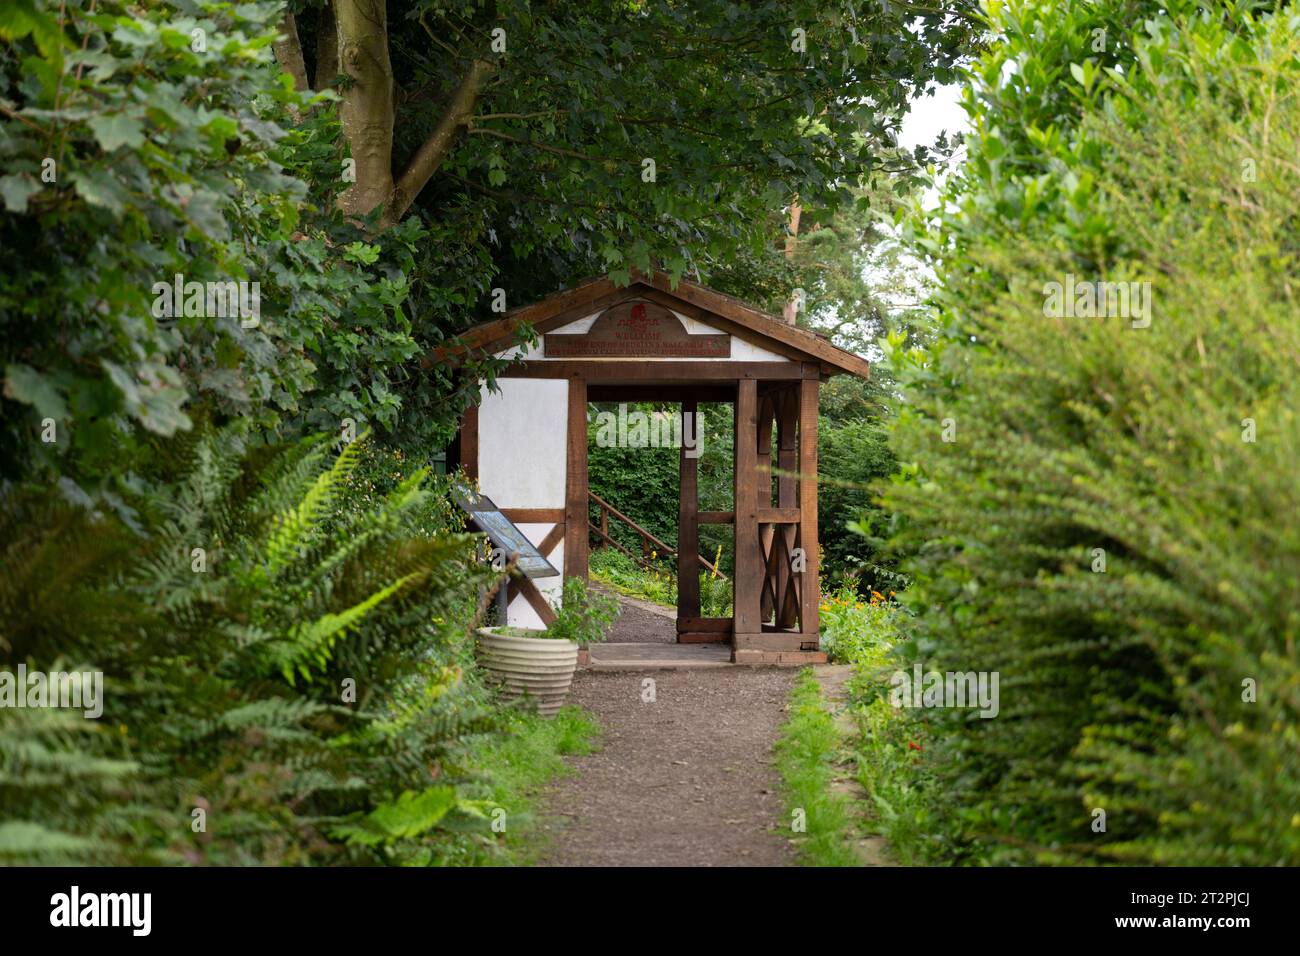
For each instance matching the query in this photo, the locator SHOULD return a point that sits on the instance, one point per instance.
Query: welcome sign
(636, 329)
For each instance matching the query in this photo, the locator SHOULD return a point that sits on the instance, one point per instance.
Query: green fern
(226, 680)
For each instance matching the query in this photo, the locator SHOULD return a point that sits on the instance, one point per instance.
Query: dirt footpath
(640, 621)
(687, 780)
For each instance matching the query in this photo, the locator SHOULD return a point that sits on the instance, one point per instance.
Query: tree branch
(427, 159)
(557, 150)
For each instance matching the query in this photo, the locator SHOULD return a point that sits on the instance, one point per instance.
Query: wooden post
(468, 451)
(787, 490)
(748, 583)
(688, 528)
(809, 593)
(575, 483)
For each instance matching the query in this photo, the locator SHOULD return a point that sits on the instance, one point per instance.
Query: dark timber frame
(774, 515)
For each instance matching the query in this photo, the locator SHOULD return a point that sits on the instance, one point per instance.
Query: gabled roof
(689, 298)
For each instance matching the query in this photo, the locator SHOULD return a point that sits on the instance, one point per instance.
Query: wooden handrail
(606, 509)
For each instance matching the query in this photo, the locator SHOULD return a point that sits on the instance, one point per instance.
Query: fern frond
(310, 643)
(296, 526)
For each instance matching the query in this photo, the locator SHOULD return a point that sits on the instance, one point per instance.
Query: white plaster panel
(522, 433)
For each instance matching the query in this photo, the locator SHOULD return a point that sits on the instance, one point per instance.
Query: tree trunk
(366, 111)
(791, 311)
(288, 52)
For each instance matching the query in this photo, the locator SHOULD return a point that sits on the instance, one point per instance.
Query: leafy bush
(896, 768)
(624, 575)
(1106, 531)
(508, 771)
(585, 615)
(854, 631)
(286, 666)
(131, 157)
(852, 453)
(640, 482)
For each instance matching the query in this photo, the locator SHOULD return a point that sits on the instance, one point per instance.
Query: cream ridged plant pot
(537, 667)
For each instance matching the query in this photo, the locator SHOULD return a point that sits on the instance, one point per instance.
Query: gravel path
(687, 780)
(640, 621)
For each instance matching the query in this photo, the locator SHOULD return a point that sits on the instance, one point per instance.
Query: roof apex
(700, 302)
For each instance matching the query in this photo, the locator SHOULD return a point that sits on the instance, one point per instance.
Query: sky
(931, 115)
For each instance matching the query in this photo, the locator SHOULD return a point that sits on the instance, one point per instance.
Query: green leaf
(100, 189)
(25, 384)
(17, 189)
(117, 129)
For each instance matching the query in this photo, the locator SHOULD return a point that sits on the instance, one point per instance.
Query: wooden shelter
(526, 443)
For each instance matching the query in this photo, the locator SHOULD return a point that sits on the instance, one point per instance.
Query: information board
(503, 533)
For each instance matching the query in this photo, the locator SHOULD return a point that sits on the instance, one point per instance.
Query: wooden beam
(688, 531)
(787, 497)
(770, 326)
(690, 299)
(553, 538)
(748, 581)
(534, 515)
(810, 594)
(528, 591)
(723, 324)
(654, 371)
(717, 625)
(469, 442)
(663, 546)
(703, 637)
(721, 393)
(575, 484)
(591, 296)
(604, 536)
(787, 459)
(716, 517)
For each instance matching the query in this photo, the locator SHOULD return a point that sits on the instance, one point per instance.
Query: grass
(893, 754)
(891, 746)
(620, 573)
(806, 755)
(526, 756)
